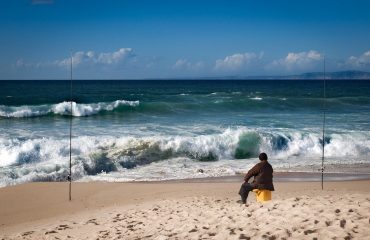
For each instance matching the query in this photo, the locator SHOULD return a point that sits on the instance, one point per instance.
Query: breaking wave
(63, 108)
(166, 157)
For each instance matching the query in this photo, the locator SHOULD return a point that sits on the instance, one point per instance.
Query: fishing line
(70, 134)
(323, 130)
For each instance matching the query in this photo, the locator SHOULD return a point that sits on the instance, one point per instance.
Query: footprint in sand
(171, 235)
(348, 237)
(118, 232)
(243, 236)
(273, 237)
(342, 223)
(50, 232)
(27, 233)
(63, 227)
(309, 231)
(103, 234)
(93, 221)
(117, 218)
(232, 231)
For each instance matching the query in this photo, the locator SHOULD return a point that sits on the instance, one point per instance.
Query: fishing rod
(323, 130)
(70, 133)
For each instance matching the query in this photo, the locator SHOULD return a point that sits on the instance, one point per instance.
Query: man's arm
(253, 172)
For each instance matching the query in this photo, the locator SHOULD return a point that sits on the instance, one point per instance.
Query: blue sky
(177, 39)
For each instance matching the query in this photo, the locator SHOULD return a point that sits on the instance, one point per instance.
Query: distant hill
(334, 75)
(341, 75)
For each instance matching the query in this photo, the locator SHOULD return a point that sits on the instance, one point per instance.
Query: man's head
(263, 156)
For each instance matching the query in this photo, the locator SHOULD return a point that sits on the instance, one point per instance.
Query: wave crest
(63, 108)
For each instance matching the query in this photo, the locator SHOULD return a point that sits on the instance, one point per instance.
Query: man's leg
(244, 191)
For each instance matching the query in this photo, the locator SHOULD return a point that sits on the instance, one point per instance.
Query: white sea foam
(168, 157)
(257, 98)
(63, 108)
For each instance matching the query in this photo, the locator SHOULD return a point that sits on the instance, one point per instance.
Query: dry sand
(184, 210)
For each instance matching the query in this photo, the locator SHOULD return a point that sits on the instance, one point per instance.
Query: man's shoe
(240, 202)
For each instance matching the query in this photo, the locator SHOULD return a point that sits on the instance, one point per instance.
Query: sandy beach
(184, 210)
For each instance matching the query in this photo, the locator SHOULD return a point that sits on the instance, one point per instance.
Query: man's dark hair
(263, 156)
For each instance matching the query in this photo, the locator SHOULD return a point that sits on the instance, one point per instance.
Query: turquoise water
(152, 130)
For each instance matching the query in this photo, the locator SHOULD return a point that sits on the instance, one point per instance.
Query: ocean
(179, 129)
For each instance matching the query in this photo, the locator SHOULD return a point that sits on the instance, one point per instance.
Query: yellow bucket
(262, 195)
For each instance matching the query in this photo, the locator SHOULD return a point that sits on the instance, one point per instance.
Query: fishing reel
(321, 169)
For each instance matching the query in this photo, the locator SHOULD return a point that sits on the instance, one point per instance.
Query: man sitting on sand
(262, 173)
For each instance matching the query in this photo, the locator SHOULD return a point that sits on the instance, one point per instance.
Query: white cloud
(19, 63)
(236, 61)
(298, 61)
(114, 57)
(181, 64)
(91, 57)
(361, 61)
(184, 64)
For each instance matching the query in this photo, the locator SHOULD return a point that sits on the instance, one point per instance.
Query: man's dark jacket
(262, 173)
